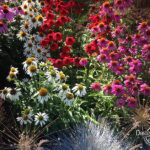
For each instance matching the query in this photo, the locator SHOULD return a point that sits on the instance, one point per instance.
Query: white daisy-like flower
(63, 89)
(79, 90)
(40, 36)
(42, 95)
(11, 76)
(24, 6)
(28, 53)
(45, 55)
(32, 70)
(26, 27)
(28, 63)
(29, 45)
(40, 20)
(52, 76)
(4, 92)
(68, 98)
(14, 70)
(22, 35)
(24, 119)
(38, 52)
(33, 22)
(62, 76)
(14, 94)
(41, 118)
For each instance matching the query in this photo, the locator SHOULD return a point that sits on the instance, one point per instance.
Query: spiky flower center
(26, 25)
(106, 4)
(53, 73)
(146, 88)
(109, 87)
(13, 69)
(96, 85)
(132, 100)
(69, 96)
(32, 38)
(28, 61)
(23, 34)
(43, 92)
(4, 91)
(114, 63)
(32, 68)
(111, 44)
(135, 87)
(24, 117)
(1, 24)
(25, 6)
(83, 59)
(101, 25)
(42, 3)
(144, 24)
(65, 87)
(40, 18)
(80, 87)
(51, 67)
(40, 118)
(12, 75)
(13, 91)
(30, 45)
(39, 50)
(118, 89)
(33, 20)
(32, 58)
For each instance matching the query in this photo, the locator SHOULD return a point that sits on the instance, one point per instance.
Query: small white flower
(68, 98)
(14, 70)
(42, 95)
(79, 90)
(26, 27)
(24, 119)
(22, 35)
(14, 94)
(33, 22)
(4, 92)
(32, 70)
(63, 89)
(29, 62)
(41, 118)
(52, 76)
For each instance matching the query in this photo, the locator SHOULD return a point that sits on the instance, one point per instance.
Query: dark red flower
(58, 23)
(54, 46)
(66, 48)
(76, 61)
(70, 41)
(64, 54)
(50, 37)
(57, 36)
(50, 16)
(58, 63)
(67, 61)
(44, 42)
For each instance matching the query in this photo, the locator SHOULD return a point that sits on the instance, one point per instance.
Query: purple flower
(102, 42)
(111, 45)
(120, 103)
(116, 32)
(113, 56)
(145, 89)
(19, 10)
(107, 89)
(147, 34)
(117, 17)
(134, 90)
(83, 62)
(118, 90)
(113, 65)
(132, 102)
(6, 12)
(143, 26)
(102, 58)
(135, 66)
(101, 26)
(3, 27)
(121, 70)
(96, 86)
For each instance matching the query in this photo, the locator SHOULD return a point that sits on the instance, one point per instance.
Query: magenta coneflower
(107, 89)
(132, 102)
(6, 12)
(3, 27)
(113, 56)
(134, 90)
(118, 90)
(19, 10)
(121, 70)
(120, 103)
(102, 42)
(145, 89)
(113, 65)
(143, 26)
(83, 62)
(111, 45)
(102, 58)
(117, 17)
(96, 86)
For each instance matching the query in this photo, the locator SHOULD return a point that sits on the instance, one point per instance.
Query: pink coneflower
(101, 26)
(95, 29)
(113, 65)
(111, 45)
(3, 27)
(107, 89)
(132, 102)
(6, 12)
(134, 90)
(106, 6)
(116, 32)
(135, 66)
(120, 103)
(105, 51)
(102, 42)
(143, 26)
(147, 34)
(116, 82)
(121, 70)
(113, 56)
(83, 62)
(117, 17)
(102, 58)
(145, 89)
(19, 10)
(118, 90)
(118, 3)
(96, 86)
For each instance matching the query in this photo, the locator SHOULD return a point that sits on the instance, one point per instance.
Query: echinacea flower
(107, 89)
(11, 76)
(145, 89)
(63, 89)
(14, 70)
(96, 86)
(52, 76)
(83, 62)
(4, 92)
(28, 63)
(41, 118)
(42, 95)
(132, 102)
(118, 90)
(14, 94)
(3, 27)
(70, 41)
(22, 35)
(68, 98)
(24, 119)
(120, 103)
(32, 70)
(143, 26)
(19, 10)
(79, 90)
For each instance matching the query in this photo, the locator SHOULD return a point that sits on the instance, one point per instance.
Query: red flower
(67, 61)
(70, 41)
(66, 48)
(57, 36)
(58, 23)
(64, 54)
(64, 19)
(54, 46)
(50, 16)
(76, 61)
(44, 42)
(64, 12)
(58, 63)
(50, 37)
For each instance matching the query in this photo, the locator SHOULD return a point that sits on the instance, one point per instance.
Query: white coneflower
(62, 76)
(25, 6)
(24, 119)
(11, 76)
(39, 36)
(14, 94)
(68, 98)
(33, 22)
(38, 53)
(52, 76)
(45, 55)
(63, 89)
(42, 95)
(4, 92)
(22, 35)
(41, 118)
(40, 20)
(14, 70)
(32, 70)
(79, 90)
(26, 27)
(28, 63)
(29, 45)
(28, 53)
